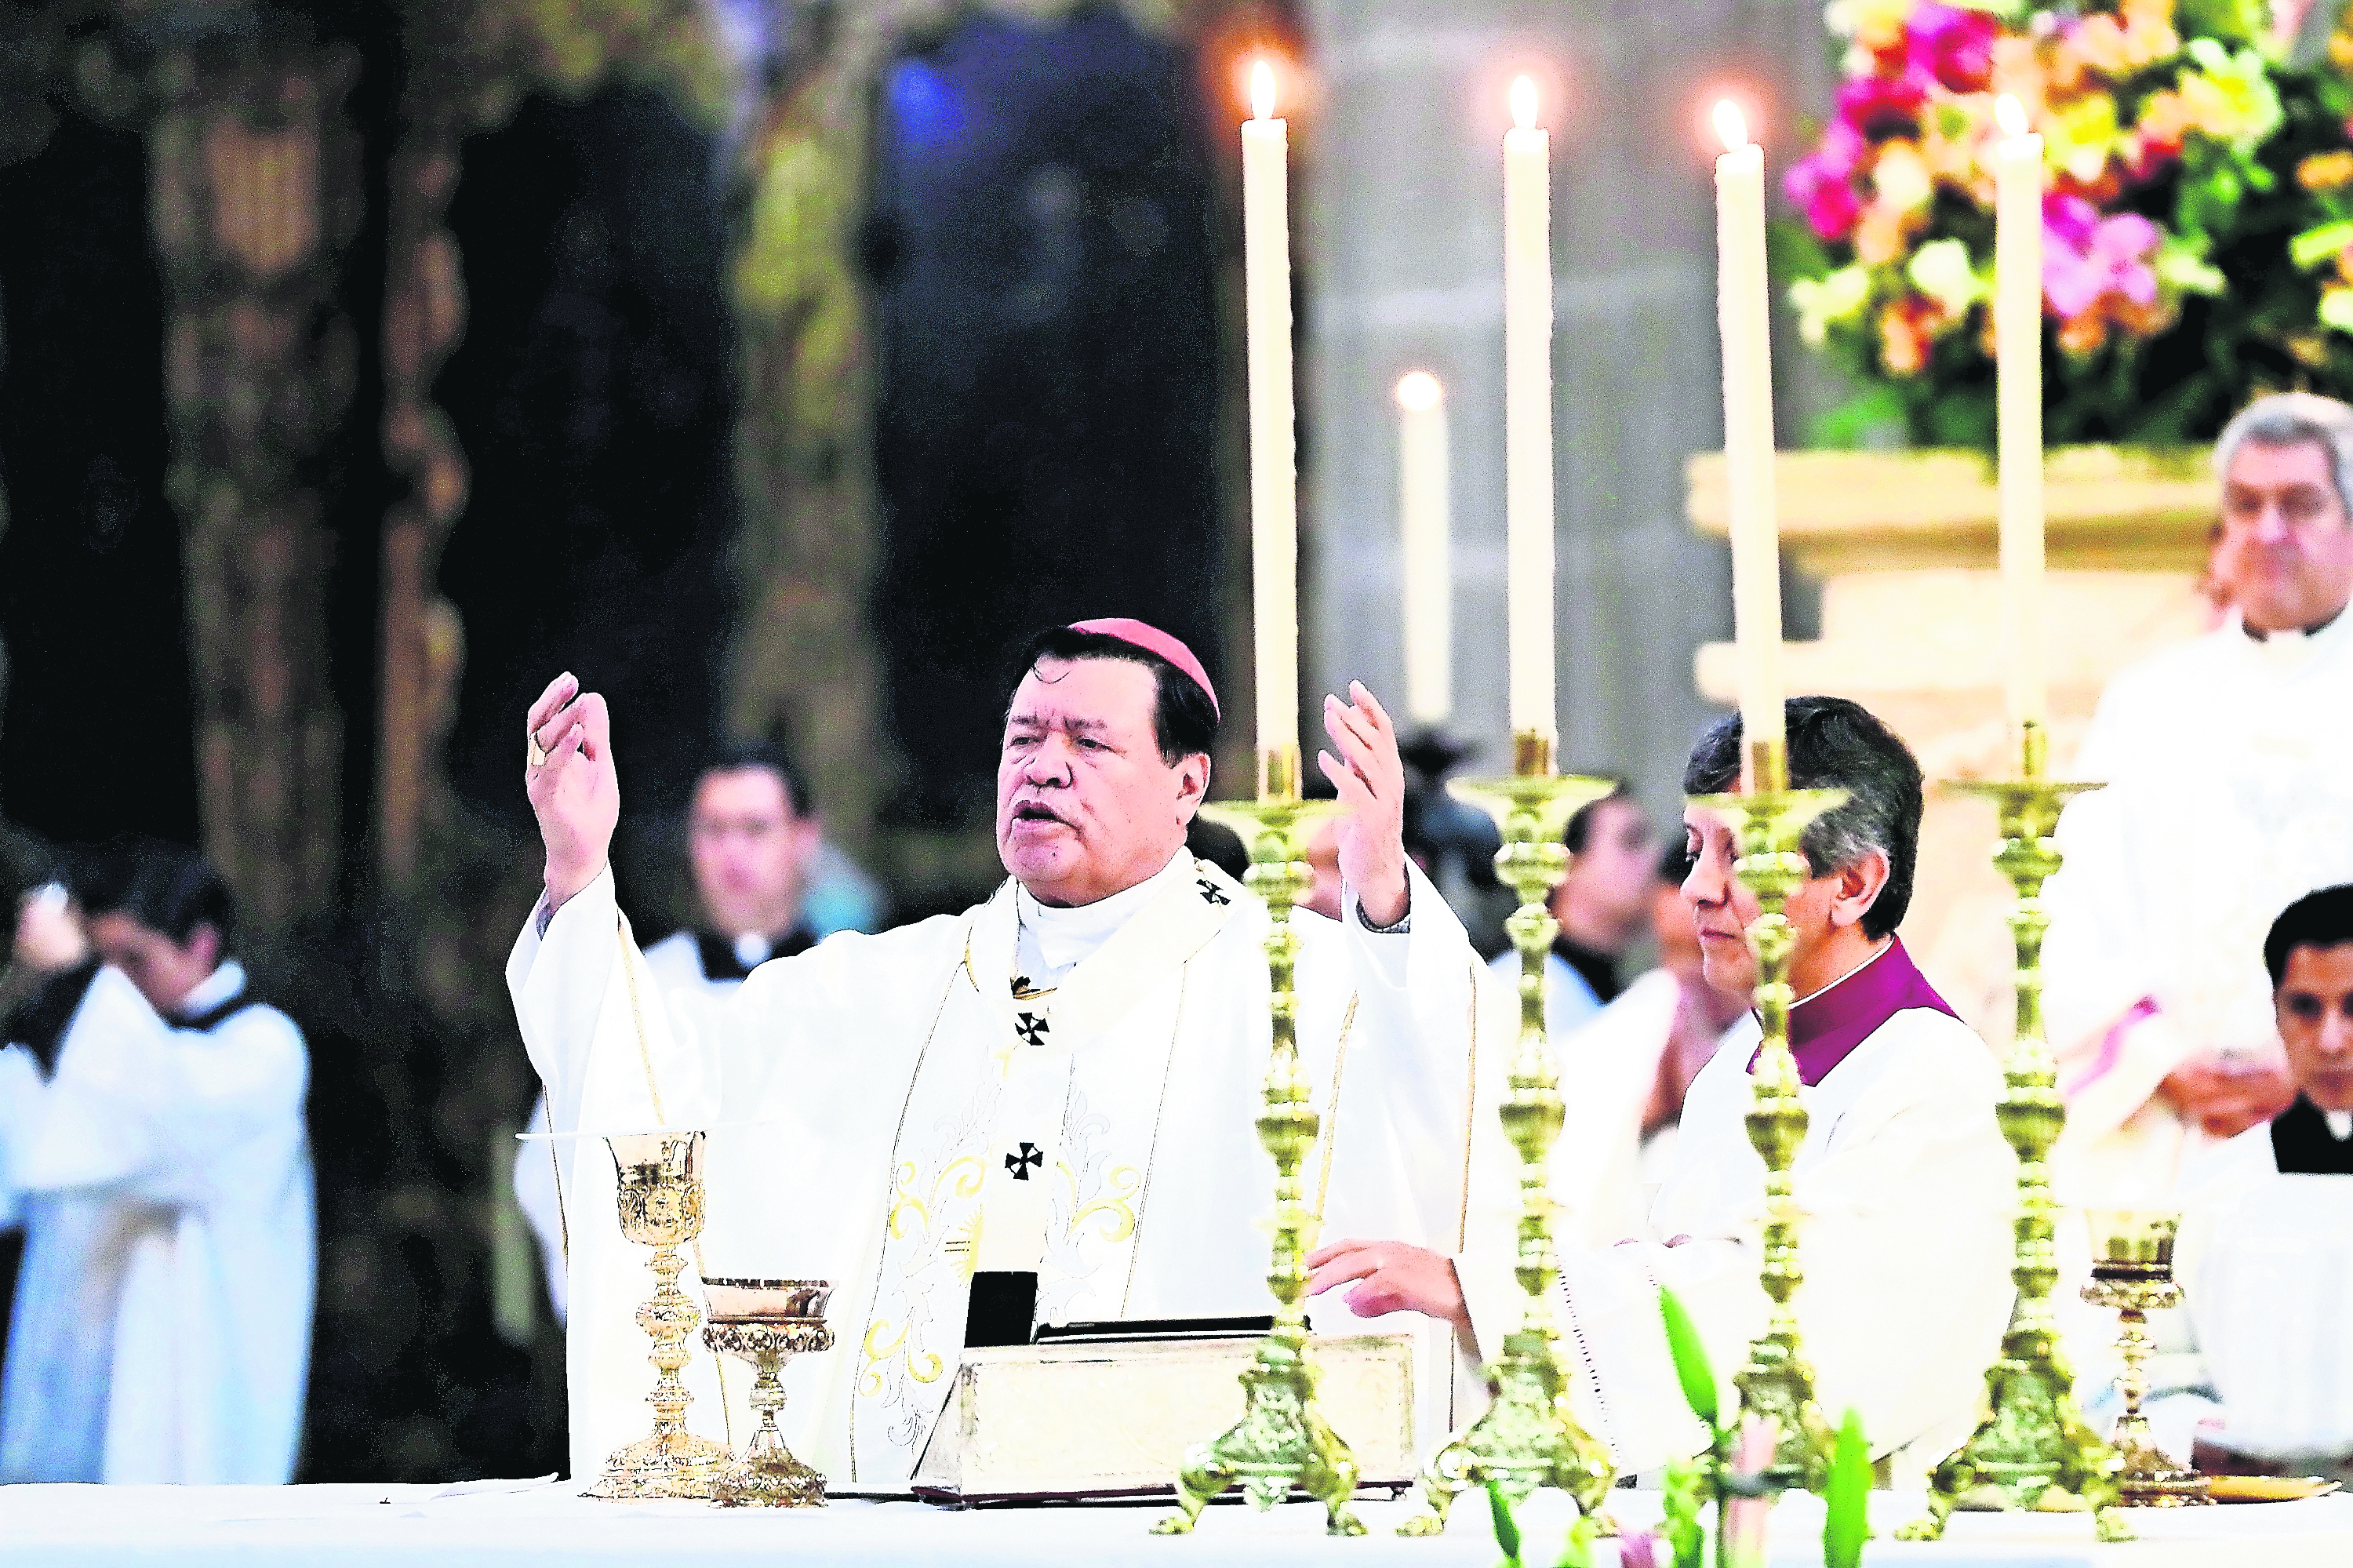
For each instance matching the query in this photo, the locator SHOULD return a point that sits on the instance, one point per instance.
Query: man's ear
(1192, 785)
(1860, 885)
(204, 945)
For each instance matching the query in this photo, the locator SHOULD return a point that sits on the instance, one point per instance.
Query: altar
(508, 1524)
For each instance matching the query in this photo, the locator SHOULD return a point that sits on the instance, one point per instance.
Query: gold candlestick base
(1282, 1440)
(661, 1202)
(765, 1321)
(2032, 1452)
(1526, 1438)
(1768, 820)
(2132, 1271)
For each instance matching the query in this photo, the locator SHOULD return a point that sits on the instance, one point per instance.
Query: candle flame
(1523, 102)
(1418, 390)
(1731, 125)
(2009, 114)
(1262, 90)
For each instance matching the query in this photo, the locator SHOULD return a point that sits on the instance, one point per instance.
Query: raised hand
(1370, 778)
(574, 791)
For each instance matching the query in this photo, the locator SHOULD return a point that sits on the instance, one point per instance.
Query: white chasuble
(886, 1113)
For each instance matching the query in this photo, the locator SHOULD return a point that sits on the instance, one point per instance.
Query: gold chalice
(764, 1320)
(2132, 1271)
(661, 1202)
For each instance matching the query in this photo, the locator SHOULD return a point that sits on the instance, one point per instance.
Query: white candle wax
(1527, 414)
(1274, 504)
(2018, 382)
(1427, 564)
(1741, 316)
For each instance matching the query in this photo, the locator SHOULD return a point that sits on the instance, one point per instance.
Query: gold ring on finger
(531, 740)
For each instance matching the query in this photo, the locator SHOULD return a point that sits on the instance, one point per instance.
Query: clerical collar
(1826, 1027)
(1054, 941)
(2286, 645)
(1597, 969)
(726, 959)
(2307, 1140)
(222, 985)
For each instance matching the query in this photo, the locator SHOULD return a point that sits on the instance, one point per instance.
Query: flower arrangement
(2198, 225)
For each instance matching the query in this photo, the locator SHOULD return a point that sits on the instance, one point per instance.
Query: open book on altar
(1108, 1411)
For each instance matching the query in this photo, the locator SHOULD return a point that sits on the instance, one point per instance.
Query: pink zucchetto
(1152, 640)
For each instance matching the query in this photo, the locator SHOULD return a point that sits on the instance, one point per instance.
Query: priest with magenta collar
(1906, 1187)
(1059, 1084)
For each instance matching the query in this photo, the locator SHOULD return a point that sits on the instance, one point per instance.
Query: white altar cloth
(503, 1524)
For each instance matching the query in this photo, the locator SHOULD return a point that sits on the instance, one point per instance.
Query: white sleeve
(21, 1090)
(1407, 1088)
(140, 1105)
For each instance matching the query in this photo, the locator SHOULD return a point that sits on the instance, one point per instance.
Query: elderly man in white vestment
(1904, 1177)
(151, 1136)
(1060, 1083)
(2229, 765)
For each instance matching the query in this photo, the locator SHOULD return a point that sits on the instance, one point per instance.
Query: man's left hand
(1390, 1278)
(1370, 778)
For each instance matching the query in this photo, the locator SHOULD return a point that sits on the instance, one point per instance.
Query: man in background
(766, 884)
(152, 1146)
(1603, 905)
(2228, 768)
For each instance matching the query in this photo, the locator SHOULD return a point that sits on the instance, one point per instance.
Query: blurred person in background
(153, 1148)
(1603, 905)
(2228, 773)
(766, 884)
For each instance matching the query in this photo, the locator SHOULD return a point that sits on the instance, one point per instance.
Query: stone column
(255, 191)
(1402, 237)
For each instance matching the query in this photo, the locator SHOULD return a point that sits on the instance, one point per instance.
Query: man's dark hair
(1836, 744)
(2318, 920)
(768, 756)
(25, 865)
(1184, 720)
(1580, 831)
(168, 888)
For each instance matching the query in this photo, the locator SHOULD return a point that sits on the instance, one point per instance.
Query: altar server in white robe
(1061, 1082)
(766, 884)
(151, 1134)
(2229, 765)
(1905, 1179)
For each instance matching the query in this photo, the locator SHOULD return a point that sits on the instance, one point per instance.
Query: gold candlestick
(1281, 1440)
(2132, 1271)
(2033, 1451)
(1768, 820)
(1527, 1438)
(765, 1320)
(660, 1200)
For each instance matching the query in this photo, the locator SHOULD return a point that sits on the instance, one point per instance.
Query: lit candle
(1428, 569)
(2018, 392)
(1740, 306)
(1527, 413)
(1274, 503)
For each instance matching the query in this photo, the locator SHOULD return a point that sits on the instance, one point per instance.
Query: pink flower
(1822, 184)
(1878, 106)
(2088, 258)
(1954, 46)
(1641, 1549)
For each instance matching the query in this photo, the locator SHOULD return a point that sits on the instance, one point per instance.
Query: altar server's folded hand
(1390, 1276)
(1370, 778)
(574, 791)
(2225, 1096)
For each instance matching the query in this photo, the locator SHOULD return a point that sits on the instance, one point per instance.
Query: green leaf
(2315, 246)
(1792, 250)
(1507, 1533)
(1847, 1495)
(1576, 1552)
(1692, 1369)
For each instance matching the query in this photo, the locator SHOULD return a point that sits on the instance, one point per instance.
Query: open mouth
(1031, 811)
